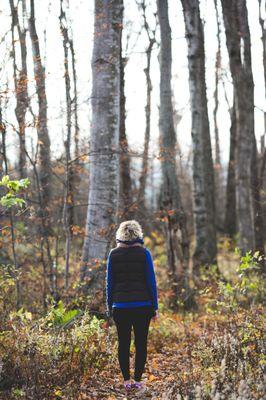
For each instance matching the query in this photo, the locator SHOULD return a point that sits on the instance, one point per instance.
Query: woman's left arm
(151, 280)
(109, 286)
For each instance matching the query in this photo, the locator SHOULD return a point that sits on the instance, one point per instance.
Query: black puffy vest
(128, 267)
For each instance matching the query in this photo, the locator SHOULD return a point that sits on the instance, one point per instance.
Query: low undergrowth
(216, 352)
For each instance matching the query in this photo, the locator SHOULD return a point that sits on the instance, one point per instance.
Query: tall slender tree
(145, 160)
(217, 160)
(126, 201)
(230, 205)
(216, 91)
(175, 217)
(42, 129)
(262, 22)
(104, 141)
(203, 174)
(20, 81)
(247, 193)
(44, 173)
(262, 168)
(75, 98)
(68, 212)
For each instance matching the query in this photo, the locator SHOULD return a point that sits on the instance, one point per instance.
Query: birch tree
(239, 50)
(104, 141)
(203, 174)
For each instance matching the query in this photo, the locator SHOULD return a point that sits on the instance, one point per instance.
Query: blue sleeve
(151, 280)
(109, 284)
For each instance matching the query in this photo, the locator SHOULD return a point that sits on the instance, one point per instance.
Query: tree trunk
(174, 216)
(238, 45)
(203, 175)
(144, 168)
(262, 160)
(75, 99)
(21, 85)
(44, 157)
(68, 210)
(230, 208)
(147, 70)
(263, 38)
(104, 142)
(217, 164)
(257, 205)
(126, 201)
(42, 130)
(75, 168)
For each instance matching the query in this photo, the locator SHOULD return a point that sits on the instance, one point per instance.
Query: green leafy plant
(59, 316)
(18, 393)
(249, 287)
(13, 188)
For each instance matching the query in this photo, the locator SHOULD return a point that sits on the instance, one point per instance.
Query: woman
(131, 296)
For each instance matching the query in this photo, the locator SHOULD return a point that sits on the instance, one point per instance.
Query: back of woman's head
(129, 230)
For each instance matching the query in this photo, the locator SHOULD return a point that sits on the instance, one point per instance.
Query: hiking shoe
(140, 387)
(128, 386)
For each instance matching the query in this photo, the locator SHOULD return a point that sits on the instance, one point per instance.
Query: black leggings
(139, 318)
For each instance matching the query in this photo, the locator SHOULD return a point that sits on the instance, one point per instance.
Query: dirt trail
(160, 376)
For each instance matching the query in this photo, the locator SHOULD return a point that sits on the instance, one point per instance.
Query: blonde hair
(129, 230)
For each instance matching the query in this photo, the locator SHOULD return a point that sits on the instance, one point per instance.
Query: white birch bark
(203, 173)
(104, 142)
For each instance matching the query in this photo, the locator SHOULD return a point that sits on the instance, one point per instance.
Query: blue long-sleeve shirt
(151, 284)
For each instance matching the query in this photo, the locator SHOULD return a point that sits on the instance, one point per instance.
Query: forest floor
(160, 379)
(199, 356)
(215, 352)
(205, 356)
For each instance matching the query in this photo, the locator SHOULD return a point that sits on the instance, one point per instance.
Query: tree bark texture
(263, 148)
(174, 216)
(126, 201)
(147, 70)
(104, 142)
(21, 84)
(217, 163)
(75, 99)
(238, 45)
(68, 211)
(42, 129)
(256, 197)
(230, 207)
(203, 174)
